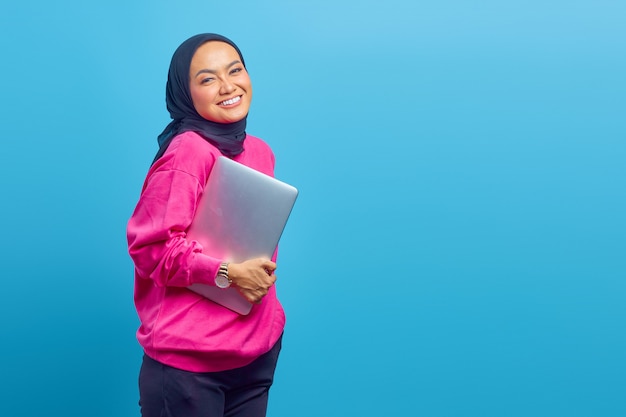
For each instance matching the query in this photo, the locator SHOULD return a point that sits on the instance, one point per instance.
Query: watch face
(222, 282)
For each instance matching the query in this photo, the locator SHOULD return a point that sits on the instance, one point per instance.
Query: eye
(206, 80)
(235, 70)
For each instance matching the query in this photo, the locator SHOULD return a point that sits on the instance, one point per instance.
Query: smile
(230, 101)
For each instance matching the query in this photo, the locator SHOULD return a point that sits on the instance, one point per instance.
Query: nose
(227, 87)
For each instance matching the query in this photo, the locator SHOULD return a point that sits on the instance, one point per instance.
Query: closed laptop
(240, 216)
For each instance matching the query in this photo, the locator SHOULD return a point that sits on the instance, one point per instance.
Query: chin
(235, 118)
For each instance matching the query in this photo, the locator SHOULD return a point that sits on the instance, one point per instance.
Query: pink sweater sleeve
(156, 231)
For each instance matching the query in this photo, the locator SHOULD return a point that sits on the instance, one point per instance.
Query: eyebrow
(210, 71)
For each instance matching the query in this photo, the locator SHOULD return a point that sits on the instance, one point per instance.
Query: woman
(201, 359)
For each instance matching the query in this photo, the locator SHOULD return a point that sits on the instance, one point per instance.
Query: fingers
(265, 287)
(256, 295)
(262, 292)
(253, 278)
(268, 266)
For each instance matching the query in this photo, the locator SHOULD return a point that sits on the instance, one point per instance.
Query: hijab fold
(227, 137)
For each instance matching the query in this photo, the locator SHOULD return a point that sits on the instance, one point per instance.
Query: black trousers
(243, 392)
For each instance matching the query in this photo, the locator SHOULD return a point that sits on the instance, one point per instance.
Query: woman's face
(219, 83)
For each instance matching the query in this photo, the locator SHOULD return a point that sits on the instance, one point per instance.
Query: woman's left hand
(253, 278)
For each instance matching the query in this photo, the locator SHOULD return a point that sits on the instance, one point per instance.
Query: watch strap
(223, 271)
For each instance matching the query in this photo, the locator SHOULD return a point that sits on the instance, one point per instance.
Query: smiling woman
(201, 359)
(219, 83)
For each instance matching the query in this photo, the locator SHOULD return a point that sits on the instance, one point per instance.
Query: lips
(230, 101)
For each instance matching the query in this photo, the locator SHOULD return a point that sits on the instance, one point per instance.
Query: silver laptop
(241, 216)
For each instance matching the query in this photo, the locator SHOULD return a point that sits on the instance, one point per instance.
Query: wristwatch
(222, 280)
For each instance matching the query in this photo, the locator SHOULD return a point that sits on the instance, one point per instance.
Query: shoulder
(191, 154)
(255, 142)
(257, 145)
(257, 154)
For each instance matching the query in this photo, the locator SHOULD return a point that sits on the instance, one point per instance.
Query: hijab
(227, 137)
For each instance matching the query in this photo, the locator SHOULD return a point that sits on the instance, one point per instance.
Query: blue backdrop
(458, 245)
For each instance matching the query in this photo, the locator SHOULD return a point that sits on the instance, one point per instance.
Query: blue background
(458, 245)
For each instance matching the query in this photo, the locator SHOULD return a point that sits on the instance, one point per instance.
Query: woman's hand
(253, 278)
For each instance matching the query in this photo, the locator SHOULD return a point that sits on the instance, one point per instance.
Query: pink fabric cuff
(204, 269)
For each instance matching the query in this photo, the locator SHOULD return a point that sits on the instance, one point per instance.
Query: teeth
(231, 101)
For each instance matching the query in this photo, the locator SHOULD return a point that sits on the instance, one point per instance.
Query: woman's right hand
(253, 278)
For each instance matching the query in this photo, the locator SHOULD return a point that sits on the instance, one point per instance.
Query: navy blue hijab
(227, 137)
